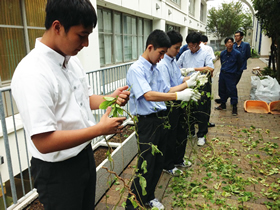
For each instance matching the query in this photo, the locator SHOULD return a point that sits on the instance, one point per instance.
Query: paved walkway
(238, 168)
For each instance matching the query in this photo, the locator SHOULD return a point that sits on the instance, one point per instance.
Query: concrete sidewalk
(224, 132)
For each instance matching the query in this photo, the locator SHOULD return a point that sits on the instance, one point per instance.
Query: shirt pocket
(84, 85)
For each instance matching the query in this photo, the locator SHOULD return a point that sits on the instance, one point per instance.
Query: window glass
(202, 12)
(10, 12)
(127, 23)
(118, 49)
(127, 48)
(191, 7)
(147, 28)
(12, 50)
(140, 42)
(117, 23)
(134, 26)
(122, 39)
(171, 27)
(100, 20)
(108, 49)
(101, 50)
(107, 21)
(134, 48)
(35, 12)
(32, 35)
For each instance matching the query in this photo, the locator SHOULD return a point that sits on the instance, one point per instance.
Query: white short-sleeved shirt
(51, 97)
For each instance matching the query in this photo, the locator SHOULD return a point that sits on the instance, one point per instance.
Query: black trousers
(68, 184)
(201, 112)
(150, 130)
(177, 137)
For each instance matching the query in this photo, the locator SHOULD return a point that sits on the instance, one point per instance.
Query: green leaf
(115, 112)
(143, 184)
(124, 204)
(120, 111)
(104, 105)
(155, 149)
(134, 203)
(107, 98)
(144, 166)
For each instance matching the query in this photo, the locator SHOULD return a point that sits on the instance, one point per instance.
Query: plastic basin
(256, 106)
(274, 107)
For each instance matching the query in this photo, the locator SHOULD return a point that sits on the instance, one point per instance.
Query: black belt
(156, 114)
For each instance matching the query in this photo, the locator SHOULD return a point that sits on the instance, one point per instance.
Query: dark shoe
(211, 125)
(234, 110)
(221, 107)
(218, 100)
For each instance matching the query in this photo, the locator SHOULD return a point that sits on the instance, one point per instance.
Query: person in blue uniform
(244, 49)
(148, 93)
(197, 59)
(231, 66)
(183, 49)
(177, 141)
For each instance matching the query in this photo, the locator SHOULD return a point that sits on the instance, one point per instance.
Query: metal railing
(15, 176)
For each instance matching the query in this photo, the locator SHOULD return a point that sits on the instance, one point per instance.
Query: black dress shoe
(218, 100)
(211, 124)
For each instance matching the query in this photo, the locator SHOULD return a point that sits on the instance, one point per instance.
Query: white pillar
(184, 33)
(89, 56)
(159, 24)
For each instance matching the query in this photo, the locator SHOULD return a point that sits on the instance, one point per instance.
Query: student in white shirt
(203, 45)
(51, 92)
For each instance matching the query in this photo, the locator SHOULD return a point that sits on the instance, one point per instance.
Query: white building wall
(160, 11)
(265, 46)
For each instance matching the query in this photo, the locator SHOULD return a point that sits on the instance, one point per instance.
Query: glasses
(193, 46)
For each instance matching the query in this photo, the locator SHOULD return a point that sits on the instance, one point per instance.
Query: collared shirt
(182, 49)
(170, 71)
(244, 49)
(231, 61)
(201, 58)
(208, 49)
(51, 93)
(143, 77)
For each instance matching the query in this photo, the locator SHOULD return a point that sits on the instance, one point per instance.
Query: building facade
(123, 26)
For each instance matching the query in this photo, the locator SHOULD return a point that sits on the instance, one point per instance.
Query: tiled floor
(222, 119)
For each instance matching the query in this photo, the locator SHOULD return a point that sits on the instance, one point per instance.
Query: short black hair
(204, 38)
(70, 13)
(174, 36)
(241, 33)
(228, 38)
(158, 38)
(193, 37)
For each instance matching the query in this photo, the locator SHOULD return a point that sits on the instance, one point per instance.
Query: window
(20, 23)
(192, 7)
(202, 8)
(177, 2)
(121, 36)
(171, 27)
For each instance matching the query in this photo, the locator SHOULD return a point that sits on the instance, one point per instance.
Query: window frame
(135, 38)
